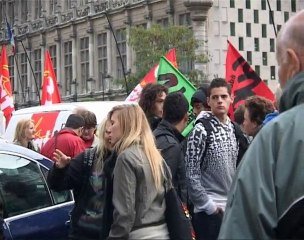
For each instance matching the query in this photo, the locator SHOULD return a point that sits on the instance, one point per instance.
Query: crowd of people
(118, 171)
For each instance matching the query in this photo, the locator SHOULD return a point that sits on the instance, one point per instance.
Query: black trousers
(207, 227)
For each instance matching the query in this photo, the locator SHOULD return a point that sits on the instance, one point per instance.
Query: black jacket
(153, 121)
(170, 141)
(76, 176)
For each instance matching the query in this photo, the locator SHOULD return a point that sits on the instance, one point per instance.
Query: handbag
(177, 216)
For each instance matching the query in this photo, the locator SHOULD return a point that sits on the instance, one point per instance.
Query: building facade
(79, 35)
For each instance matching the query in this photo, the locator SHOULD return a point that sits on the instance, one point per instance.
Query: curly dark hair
(149, 95)
(258, 107)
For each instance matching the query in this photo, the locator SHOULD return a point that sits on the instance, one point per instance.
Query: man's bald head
(290, 48)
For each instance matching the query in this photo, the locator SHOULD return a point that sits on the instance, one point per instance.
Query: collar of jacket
(166, 126)
(293, 93)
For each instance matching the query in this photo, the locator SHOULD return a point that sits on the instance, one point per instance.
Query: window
(232, 4)
(23, 70)
(279, 27)
(67, 62)
(164, 22)
(286, 16)
(249, 57)
(272, 44)
(185, 65)
(52, 50)
(241, 44)
(67, 4)
(184, 19)
(232, 29)
(37, 8)
(263, 4)
(256, 16)
(271, 17)
(248, 29)
(257, 70)
(84, 62)
(240, 15)
(272, 73)
(59, 197)
(264, 31)
(248, 4)
(37, 67)
(279, 7)
(53, 4)
(102, 57)
(264, 56)
(256, 44)
(24, 11)
(22, 185)
(122, 45)
(293, 6)
(11, 71)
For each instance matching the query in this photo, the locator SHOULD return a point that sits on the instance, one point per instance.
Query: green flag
(171, 77)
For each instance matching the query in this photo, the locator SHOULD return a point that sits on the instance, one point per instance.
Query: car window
(59, 197)
(22, 186)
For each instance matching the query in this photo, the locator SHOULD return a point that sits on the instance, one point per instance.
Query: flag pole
(118, 50)
(272, 19)
(35, 80)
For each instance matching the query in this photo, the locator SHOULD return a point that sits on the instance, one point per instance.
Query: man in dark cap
(199, 100)
(67, 139)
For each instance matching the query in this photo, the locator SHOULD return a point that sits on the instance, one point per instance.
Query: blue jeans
(207, 226)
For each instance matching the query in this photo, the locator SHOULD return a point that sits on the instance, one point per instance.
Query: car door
(30, 210)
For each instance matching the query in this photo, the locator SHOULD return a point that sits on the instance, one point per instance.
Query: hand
(219, 211)
(61, 160)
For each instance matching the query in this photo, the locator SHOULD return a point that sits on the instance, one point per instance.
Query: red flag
(6, 97)
(243, 79)
(50, 91)
(151, 76)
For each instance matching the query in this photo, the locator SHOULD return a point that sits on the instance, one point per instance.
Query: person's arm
(66, 173)
(195, 150)
(124, 187)
(174, 157)
(171, 155)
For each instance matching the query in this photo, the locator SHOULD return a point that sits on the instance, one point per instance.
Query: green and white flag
(171, 77)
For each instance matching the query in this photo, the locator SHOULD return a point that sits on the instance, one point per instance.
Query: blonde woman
(25, 133)
(138, 184)
(85, 175)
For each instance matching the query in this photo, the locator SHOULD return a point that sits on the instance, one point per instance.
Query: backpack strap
(88, 160)
(208, 128)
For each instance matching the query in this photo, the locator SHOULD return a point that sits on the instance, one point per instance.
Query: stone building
(80, 37)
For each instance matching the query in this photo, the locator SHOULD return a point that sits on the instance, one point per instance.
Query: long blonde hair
(102, 147)
(22, 125)
(136, 131)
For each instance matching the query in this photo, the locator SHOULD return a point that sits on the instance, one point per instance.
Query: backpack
(240, 138)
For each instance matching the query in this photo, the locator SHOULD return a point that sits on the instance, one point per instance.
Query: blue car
(28, 208)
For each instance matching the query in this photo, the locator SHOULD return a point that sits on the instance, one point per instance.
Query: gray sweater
(137, 204)
(210, 176)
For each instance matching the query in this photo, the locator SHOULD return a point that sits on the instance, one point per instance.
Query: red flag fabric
(6, 97)
(243, 79)
(151, 76)
(50, 91)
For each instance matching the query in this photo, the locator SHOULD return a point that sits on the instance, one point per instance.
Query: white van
(52, 118)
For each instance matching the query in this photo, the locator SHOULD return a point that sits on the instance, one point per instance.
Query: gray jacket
(137, 204)
(267, 196)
